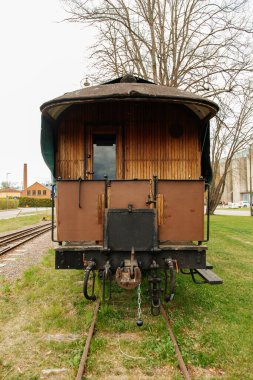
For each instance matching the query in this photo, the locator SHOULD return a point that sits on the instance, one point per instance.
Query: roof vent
(128, 78)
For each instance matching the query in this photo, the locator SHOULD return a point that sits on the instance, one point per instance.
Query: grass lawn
(213, 324)
(234, 208)
(22, 221)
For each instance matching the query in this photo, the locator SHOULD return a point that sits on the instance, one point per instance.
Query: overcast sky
(41, 58)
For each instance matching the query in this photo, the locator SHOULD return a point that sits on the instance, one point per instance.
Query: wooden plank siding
(70, 156)
(148, 131)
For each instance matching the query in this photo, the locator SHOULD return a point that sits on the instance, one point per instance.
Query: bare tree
(198, 45)
(202, 46)
(4, 184)
(232, 132)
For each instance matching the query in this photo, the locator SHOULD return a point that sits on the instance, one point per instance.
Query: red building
(37, 190)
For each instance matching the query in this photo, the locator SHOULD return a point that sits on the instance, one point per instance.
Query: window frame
(109, 130)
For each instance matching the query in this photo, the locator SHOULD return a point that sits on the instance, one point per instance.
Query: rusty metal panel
(181, 212)
(82, 223)
(123, 193)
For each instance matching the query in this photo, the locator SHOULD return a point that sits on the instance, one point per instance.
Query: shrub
(12, 203)
(34, 202)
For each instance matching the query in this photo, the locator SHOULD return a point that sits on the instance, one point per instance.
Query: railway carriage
(131, 164)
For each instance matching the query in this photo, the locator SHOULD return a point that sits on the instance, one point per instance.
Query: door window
(104, 156)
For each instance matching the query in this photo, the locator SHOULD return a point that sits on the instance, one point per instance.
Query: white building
(237, 186)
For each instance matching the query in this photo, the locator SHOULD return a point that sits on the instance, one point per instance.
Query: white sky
(40, 59)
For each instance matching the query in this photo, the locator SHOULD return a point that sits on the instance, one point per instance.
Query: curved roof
(131, 90)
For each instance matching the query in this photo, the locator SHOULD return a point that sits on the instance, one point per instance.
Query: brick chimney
(25, 177)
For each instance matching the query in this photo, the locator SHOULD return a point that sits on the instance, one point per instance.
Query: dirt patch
(54, 373)
(62, 337)
(241, 240)
(124, 336)
(162, 373)
(205, 373)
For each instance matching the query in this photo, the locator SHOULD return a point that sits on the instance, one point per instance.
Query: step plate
(210, 277)
(209, 266)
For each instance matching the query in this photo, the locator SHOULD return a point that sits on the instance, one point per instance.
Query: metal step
(209, 266)
(209, 276)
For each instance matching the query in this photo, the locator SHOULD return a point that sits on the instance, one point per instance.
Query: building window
(39, 192)
(245, 197)
(28, 192)
(34, 192)
(44, 192)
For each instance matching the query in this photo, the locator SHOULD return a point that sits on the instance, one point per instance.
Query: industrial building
(237, 188)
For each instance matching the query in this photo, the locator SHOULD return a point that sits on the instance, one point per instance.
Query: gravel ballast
(16, 261)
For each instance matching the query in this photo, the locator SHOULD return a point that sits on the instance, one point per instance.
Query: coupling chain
(139, 301)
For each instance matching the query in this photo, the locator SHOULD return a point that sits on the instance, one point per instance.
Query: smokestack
(25, 177)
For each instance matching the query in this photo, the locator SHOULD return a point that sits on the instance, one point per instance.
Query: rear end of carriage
(131, 164)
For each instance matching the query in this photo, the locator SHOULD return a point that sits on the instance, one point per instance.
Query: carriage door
(104, 153)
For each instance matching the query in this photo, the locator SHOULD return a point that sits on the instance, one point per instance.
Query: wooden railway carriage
(131, 164)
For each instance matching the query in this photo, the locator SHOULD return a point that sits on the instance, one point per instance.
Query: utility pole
(250, 179)
(7, 183)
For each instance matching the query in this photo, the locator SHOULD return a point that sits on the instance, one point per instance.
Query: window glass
(44, 192)
(104, 156)
(28, 192)
(39, 192)
(245, 197)
(34, 192)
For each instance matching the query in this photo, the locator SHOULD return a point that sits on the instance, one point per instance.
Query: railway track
(83, 362)
(15, 239)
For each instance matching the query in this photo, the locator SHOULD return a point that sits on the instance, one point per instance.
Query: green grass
(213, 324)
(22, 221)
(234, 208)
(43, 302)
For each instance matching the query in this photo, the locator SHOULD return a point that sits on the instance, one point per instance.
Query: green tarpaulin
(47, 143)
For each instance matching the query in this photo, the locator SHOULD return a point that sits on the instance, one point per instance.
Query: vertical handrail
(79, 192)
(154, 190)
(106, 191)
(53, 207)
(208, 213)
(52, 214)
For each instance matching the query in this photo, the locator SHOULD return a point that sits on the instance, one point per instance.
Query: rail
(180, 359)
(83, 363)
(21, 237)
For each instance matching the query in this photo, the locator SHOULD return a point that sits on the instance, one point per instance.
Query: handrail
(208, 213)
(52, 213)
